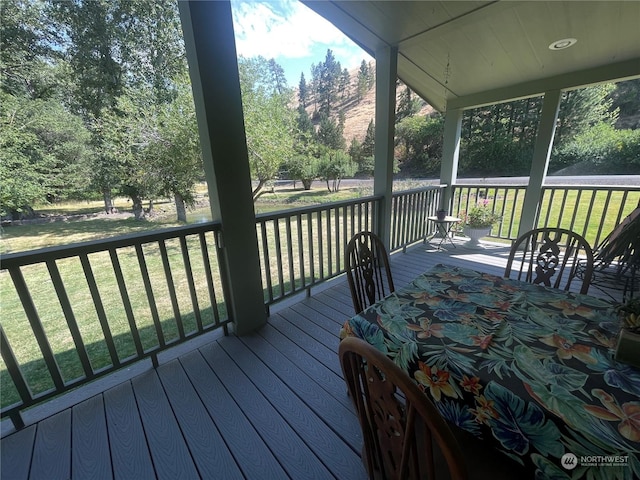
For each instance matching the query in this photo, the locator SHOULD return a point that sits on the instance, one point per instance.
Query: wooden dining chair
(368, 271)
(551, 256)
(400, 425)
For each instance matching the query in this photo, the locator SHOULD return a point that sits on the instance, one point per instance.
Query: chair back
(368, 271)
(551, 257)
(400, 425)
(623, 242)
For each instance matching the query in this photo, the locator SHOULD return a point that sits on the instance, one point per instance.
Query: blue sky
(292, 34)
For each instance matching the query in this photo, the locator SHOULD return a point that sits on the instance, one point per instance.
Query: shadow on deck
(268, 405)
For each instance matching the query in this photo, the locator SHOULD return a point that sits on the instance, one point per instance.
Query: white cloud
(282, 29)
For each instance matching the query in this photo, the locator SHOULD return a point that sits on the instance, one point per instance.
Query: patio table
(525, 367)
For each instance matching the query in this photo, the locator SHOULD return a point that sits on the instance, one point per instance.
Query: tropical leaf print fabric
(526, 367)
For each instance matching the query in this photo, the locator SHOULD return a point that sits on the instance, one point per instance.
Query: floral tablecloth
(526, 367)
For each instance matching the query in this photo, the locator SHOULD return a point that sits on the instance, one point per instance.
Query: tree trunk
(181, 208)
(138, 210)
(108, 202)
(306, 183)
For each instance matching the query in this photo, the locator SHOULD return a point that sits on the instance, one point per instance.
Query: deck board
(210, 453)
(292, 453)
(15, 454)
(90, 440)
(252, 455)
(271, 404)
(129, 454)
(171, 457)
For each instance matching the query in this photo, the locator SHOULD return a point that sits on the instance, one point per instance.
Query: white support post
(386, 74)
(450, 156)
(210, 46)
(540, 161)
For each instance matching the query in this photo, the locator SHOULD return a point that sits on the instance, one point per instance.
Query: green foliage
(330, 133)
(304, 168)
(328, 78)
(501, 156)
(333, 167)
(364, 80)
(481, 216)
(601, 149)
(420, 141)
(44, 153)
(269, 122)
(407, 105)
(303, 93)
(583, 108)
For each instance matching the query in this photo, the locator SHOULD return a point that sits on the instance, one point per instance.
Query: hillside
(358, 114)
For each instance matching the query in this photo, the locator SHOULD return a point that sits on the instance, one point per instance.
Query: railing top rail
(261, 217)
(627, 188)
(418, 190)
(31, 257)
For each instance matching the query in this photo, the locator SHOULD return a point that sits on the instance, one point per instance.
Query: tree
(407, 106)
(303, 93)
(330, 133)
(584, 108)
(421, 138)
(345, 81)
(278, 78)
(303, 167)
(330, 72)
(44, 154)
(363, 80)
(269, 122)
(333, 167)
(626, 99)
(175, 151)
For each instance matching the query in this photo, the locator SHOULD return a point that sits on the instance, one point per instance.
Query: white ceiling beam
(615, 72)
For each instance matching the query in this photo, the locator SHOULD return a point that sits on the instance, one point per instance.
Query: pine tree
(303, 93)
(345, 80)
(363, 80)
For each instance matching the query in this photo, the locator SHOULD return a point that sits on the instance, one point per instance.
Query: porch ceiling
(468, 53)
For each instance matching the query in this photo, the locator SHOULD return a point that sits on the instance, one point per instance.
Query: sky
(292, 34)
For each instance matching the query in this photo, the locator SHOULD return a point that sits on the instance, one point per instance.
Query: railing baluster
(320, 237)
(192, 285)
(126, 301)
(276, 232)
(102, 315)
(13, 367)
(144, 271)
(172, 289)
(265, 257)
(36, 327)
(292, 275)
(336, 221)
(204, 250)
(312, 258)
(63, 298)
(329, 246)
(301, 251)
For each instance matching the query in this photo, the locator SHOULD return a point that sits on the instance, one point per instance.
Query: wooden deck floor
(269, 405)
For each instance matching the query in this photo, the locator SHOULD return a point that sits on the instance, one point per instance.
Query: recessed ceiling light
(562, 44)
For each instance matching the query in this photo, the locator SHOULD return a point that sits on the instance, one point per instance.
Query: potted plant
(628, 347)
(478, 222)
